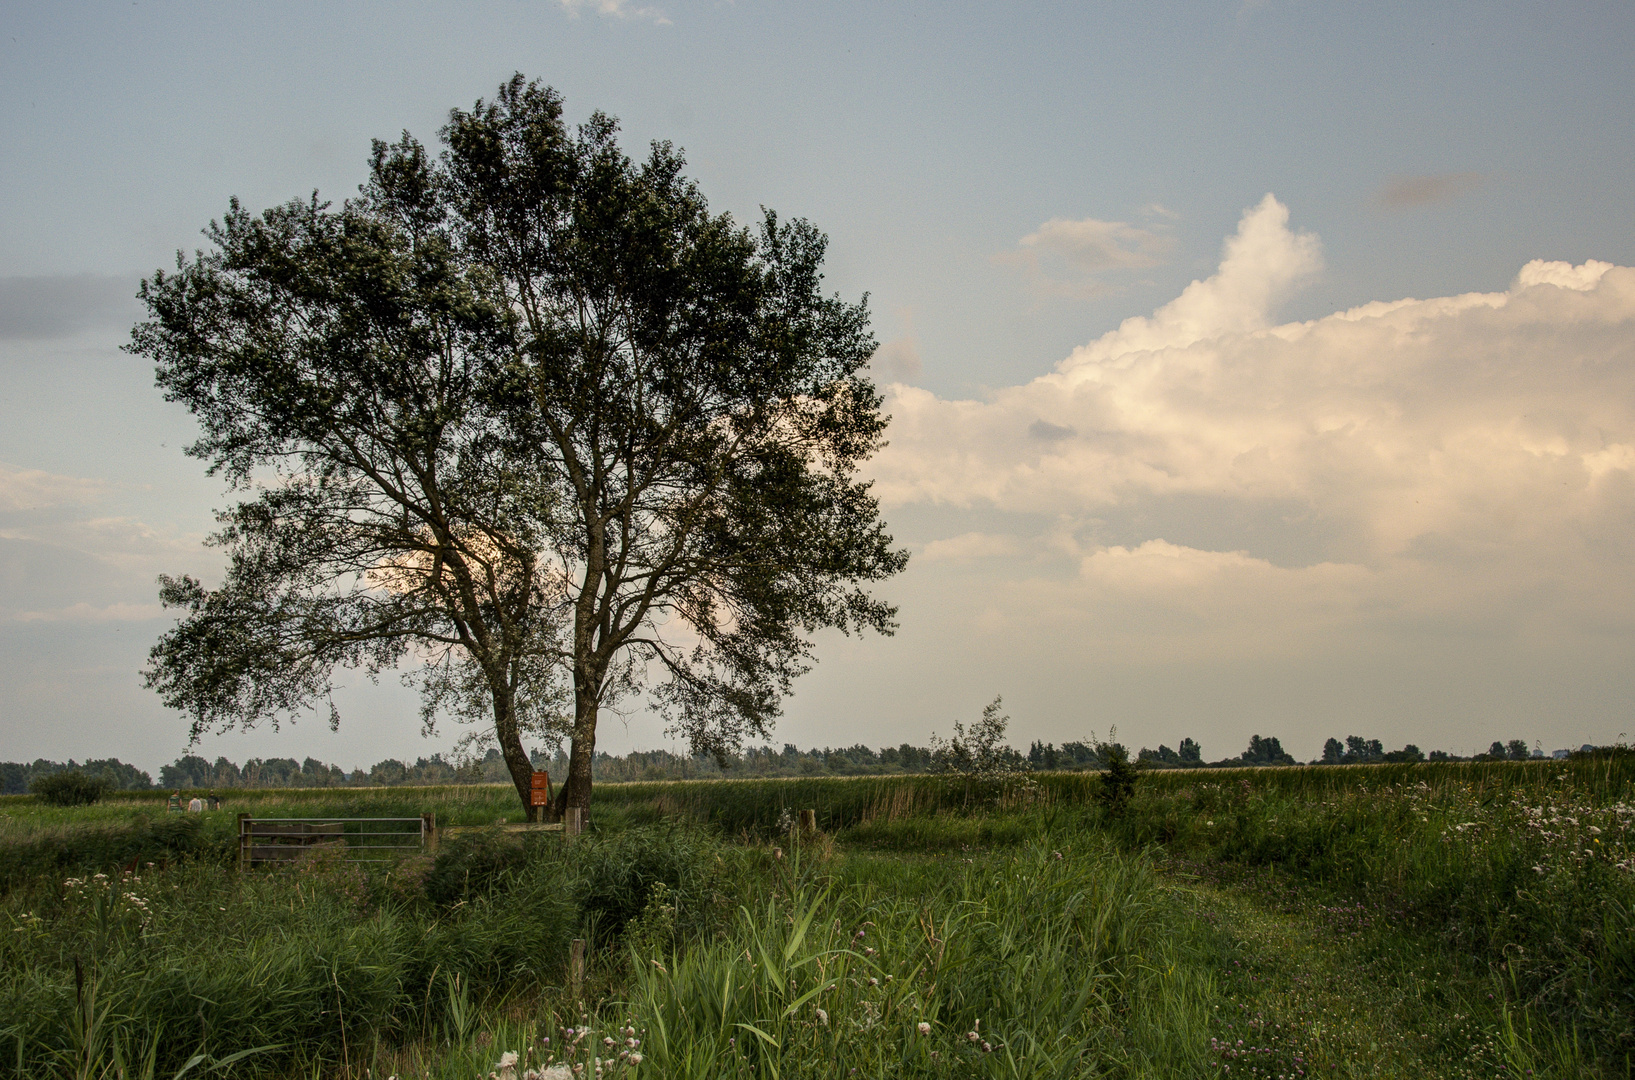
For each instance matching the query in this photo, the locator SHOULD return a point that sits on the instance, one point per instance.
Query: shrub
(1118, 780)
(70, 787)
(981, 753)
(619, 876)
(471, 867)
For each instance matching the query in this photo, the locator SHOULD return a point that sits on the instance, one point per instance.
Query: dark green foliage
(617, 877)
(1118, 777)
(1360, 751)
(1379, 840)
(1189, 756)
(322, 960)
(981, 754)
(530, 351)
(1043, 756)
(1163, 756)
(686, 390)
(346, 351)
(71, 787)
(1079, 755)
(1266, 751)
(753, 807)
(1357, 750)
(58, 853)
(472, 866)
(17, 777)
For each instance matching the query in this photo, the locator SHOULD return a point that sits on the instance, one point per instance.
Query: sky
(1255, 367)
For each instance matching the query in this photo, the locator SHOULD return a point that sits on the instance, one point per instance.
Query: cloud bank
(1460, 464)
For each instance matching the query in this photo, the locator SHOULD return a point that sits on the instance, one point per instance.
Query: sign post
(540, 794)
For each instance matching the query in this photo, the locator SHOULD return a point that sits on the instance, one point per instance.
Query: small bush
(1118, 781)
(618, 877)
(471, 867)
(70, 787)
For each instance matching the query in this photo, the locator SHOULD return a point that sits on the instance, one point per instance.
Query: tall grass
(318, 963)
(721, 955)
(1039, 964)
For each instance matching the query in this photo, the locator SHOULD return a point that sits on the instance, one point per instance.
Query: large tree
(335, 360)
(529, 407)
(695, 402)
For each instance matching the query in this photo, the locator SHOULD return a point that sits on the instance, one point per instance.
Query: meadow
(1411, 920)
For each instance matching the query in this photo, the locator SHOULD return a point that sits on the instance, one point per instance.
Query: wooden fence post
(243, 841)
(808, 824)
(428, 833)
(576, 967)
(573, 820)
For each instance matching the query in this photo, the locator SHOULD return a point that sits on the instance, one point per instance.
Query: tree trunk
(587, 688)
(516, 758)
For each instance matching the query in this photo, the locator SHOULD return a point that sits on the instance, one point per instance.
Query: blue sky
(1009, 186)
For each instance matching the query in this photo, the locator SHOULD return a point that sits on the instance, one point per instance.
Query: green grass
(1447, 920)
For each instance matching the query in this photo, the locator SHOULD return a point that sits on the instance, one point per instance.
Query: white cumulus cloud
(1464, 460)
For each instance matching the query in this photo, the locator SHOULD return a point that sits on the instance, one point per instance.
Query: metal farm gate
(284, 840)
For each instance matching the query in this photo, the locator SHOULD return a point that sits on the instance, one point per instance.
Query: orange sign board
(540, 794)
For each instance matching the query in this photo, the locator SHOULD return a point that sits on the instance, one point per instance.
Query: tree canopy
(521, 414)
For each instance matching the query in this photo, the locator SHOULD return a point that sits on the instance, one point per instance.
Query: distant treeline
(193, 772)
(16, 776)
(1355, 750)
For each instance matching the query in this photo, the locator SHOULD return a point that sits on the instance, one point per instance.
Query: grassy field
(1417, 920)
